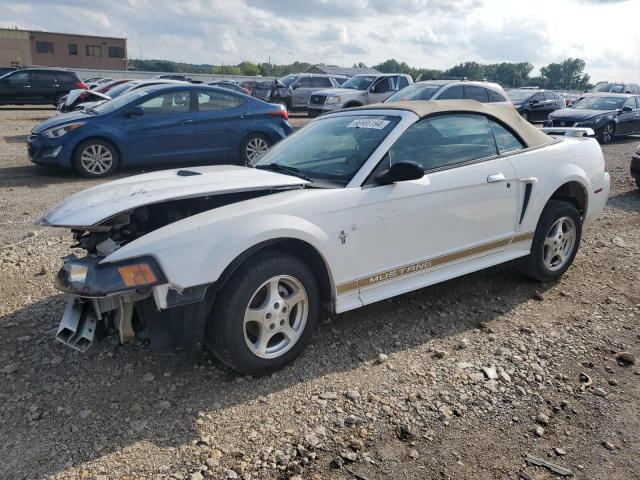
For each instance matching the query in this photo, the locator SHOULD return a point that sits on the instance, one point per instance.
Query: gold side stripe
(426, 264)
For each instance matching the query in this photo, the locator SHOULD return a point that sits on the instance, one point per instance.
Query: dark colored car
(230, 86)
(608, 114)
(536, 105)
(635, 166)
(160, 125)
(175, 76)
(260, 89)
(37, 86)
(615, 87)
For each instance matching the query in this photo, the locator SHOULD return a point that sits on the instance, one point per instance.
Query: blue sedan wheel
(253, 148)
(95, 158)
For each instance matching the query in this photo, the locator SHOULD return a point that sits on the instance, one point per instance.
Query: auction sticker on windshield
(368, 123)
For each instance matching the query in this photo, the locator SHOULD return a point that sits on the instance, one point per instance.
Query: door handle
(496, 177)
(26, 86)
(187, 122)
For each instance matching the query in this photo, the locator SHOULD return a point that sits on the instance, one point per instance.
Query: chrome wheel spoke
(559, 243)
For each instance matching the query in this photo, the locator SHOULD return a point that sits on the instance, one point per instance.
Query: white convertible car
(358, 206)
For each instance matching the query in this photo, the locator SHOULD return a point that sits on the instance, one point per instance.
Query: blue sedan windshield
(115, 103)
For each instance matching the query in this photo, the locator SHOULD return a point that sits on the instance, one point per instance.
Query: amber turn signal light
(137, 275)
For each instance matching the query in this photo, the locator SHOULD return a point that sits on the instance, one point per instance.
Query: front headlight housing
(57, 132)
(333, 100)
(87, 277)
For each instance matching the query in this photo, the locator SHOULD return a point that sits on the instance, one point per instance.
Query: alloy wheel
(559, 243)
(96, 159)
(607, 133)
(255, 148)
(276, 316)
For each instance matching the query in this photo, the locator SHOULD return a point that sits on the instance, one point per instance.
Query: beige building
(48, 49)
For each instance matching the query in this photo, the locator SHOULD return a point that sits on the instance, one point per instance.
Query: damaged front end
(134, 297)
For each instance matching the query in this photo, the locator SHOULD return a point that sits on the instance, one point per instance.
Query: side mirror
(400, 172)
(136, 111)
(295, 87)
(533, 102)
(627, 109)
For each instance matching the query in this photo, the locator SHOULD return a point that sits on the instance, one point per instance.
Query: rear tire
(253, 147)
(264, 315)
(96, 158)
(555, 242)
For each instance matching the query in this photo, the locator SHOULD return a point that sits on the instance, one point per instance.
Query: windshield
(417, 91)
(288, 80)
(359, 82)
(609, 87)
(600, 103)
(520, 95)
(331, 149)
(119, 89)
(114, 104)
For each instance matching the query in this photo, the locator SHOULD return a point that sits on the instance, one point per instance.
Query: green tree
(569, 74)
(249, 68)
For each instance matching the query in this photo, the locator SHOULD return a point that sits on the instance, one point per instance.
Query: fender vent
(187, 173)
(525, 200)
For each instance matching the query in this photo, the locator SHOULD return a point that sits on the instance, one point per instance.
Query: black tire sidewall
(554, 210)
(525, 115)
(244, 160)
(77, 163)
(225, 329)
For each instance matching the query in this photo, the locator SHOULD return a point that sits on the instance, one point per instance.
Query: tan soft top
(505, 113)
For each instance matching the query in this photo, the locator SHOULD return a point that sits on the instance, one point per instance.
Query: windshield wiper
(276, 167)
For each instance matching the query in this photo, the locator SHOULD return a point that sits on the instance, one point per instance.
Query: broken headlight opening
(86, 277)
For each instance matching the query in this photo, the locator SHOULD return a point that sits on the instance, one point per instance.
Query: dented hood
(92, 206)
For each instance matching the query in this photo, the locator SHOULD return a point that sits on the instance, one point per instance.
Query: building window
(116, 52)
(44, 47)
(73, 49)
(93, 50)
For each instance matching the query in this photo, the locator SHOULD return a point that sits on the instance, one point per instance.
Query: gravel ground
(456, 381)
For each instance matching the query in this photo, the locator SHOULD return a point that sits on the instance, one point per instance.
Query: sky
(423, 33)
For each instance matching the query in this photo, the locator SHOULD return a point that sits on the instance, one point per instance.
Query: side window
(339, 80)
(452, 93)
(630, 102)
(444, 140)
(208, 101)
(383, 85)
(476, 93)
(321, 82)
(495, 96)
(44, 78)
(19, 79)
(638, 101)
(173, 102)
(304, 82)
(506, 141)
(538, 97)
(402, 82)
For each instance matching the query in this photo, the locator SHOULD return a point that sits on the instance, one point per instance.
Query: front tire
(555, 242)
(525, 114)
(253, 147)
(637, 179)
(264, 315)
(607, 134)
(96, 158)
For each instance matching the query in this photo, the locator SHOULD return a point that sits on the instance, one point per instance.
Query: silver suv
(359, 90)
(484, 92)
(302, 85)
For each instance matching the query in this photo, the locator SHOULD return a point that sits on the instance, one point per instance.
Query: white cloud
(423, 33)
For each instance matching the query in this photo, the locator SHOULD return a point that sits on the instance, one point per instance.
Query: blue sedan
(160, 125)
